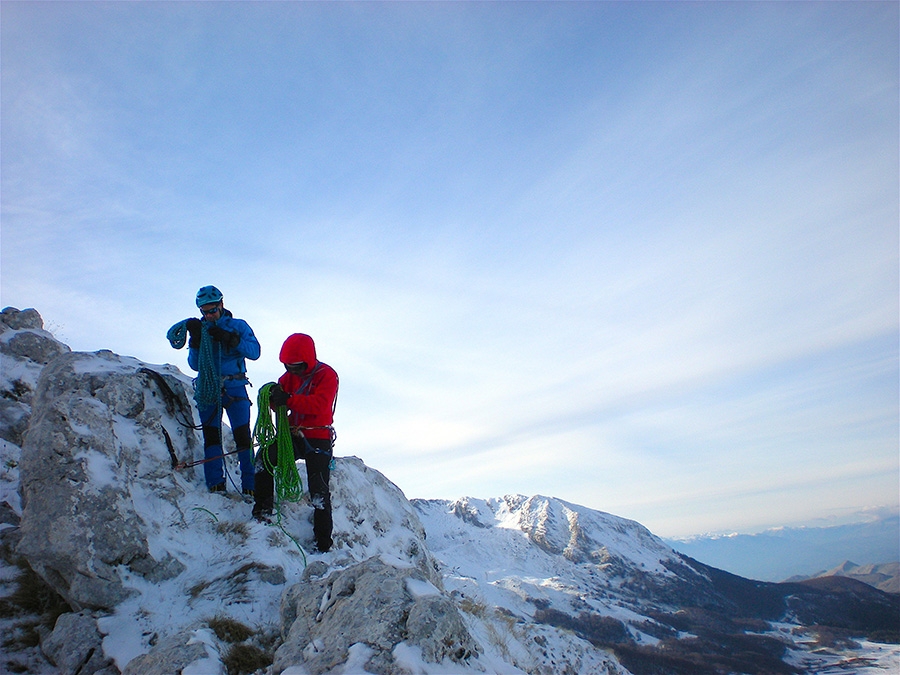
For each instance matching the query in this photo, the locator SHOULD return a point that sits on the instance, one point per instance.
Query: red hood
(299, 347)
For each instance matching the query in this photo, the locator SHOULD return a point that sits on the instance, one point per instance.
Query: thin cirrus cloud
(594, 250)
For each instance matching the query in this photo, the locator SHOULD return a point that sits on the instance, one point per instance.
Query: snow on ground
(860, 657)
(494, 562)
(232, 568)
(230, 563)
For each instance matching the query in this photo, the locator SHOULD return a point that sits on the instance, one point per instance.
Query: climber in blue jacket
(217, 349)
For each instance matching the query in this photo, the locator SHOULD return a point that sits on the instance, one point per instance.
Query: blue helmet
(208, 295)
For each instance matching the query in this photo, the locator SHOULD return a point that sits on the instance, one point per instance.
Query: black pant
(316, 453)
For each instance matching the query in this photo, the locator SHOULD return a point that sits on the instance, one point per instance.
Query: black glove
(277, 396)
(193, 328)
(229, 339)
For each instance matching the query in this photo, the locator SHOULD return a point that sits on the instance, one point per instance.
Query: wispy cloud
(595, 250)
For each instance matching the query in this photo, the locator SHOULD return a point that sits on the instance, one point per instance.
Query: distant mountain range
(884, 577)
(801, 552)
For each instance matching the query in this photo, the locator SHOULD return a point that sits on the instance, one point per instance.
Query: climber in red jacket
(309, 389)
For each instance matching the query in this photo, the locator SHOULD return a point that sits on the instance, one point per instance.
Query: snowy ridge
(536, 553)
(238, 566)
(538, 548)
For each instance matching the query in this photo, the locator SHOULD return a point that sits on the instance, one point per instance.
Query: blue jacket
(232, 360)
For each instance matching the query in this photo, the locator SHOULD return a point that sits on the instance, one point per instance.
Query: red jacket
(312, 397)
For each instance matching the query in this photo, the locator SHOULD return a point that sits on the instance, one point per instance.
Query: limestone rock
(362, 523)
(91, 454)
(173, 654)
(25, 348)
(18, 319)
(374, 604)
(76, 647)
(436, 627)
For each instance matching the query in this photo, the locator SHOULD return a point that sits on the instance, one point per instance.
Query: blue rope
(177, 334)
(208, 391)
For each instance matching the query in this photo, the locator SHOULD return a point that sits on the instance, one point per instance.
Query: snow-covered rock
(25, 348)
(181, 652)
(375, 603)
(94, 466)
(76, 647)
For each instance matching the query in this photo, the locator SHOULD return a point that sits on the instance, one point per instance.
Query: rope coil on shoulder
(208, 391)
(288, 484)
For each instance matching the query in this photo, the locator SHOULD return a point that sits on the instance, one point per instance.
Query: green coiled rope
(288, 485)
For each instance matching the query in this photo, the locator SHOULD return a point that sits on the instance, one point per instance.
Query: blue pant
(236, 404)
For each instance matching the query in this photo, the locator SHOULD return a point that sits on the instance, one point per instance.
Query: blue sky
(638, 256)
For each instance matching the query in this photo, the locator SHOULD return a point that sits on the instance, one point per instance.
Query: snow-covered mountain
(115, 562)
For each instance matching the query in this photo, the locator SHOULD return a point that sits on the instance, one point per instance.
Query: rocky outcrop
(174, 653)
(562, 528)
(373, 605)
(91, 456)
(26, 348)
(375, 515)
(100, 513)
(76, 647)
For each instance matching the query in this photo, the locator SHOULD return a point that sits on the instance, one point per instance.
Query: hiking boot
(218, 488)
(262, 515)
